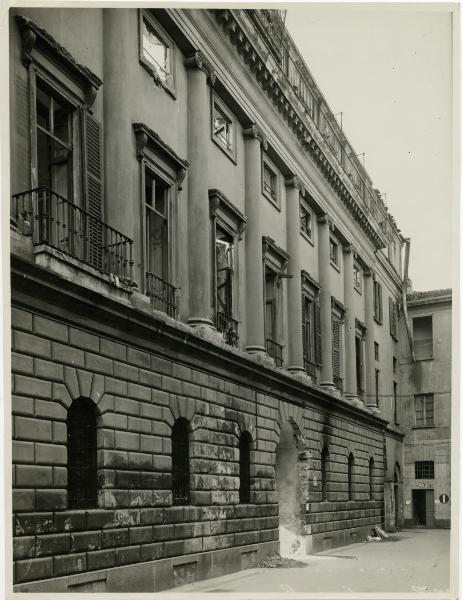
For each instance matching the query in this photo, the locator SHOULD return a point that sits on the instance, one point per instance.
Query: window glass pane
(423, 337)
(222, 128)
(61, 121)
(43, 102)
(156, 52)
(156, 238)
(224, 249)
(269, 181)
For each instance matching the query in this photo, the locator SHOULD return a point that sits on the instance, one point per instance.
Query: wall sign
(444, 498)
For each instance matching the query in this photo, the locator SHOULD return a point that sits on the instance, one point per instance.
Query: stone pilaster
(325, 301)
(294, 283)
(350, 325)
(200, 275)
(371, 401)
(255, 342)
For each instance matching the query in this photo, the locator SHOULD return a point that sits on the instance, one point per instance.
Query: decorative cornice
(361, 326)
(278, 93)
(33, 36)
(199, 61)
(145, 136)
(268, 244)
(308, 280)
(337, 305)
(254, 131)
(218, 201)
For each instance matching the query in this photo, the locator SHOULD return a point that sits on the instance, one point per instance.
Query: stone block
(138, 358)
(163, 532)
(59, 433)
(51, 499)
(100, 559)
(22, 406)
(50, 545)
(113, 349)
(127, 441)
(46, 369)
(50, 328)
(139, 392)
(72, 563)
(160, 398)
(151, 516)
(150, 378)
(193, 546)
(127, 406)
(23, 547)
(23, 452)
(151, 551)
(98, 364)
(150, 443)
(34, 476)
(135, 424)
(127, 555)
(161, 497)
(161, 463)
(140, 535)
(70, 520)
(160, 365)
(50, 410)
(112, 458)
(21, 363)
(118, 387)
(149, 411)
(33, 523)
(85, 541)
(21, 319)
(50, 454)
(83, 339)
(114, 538)
(32, 569)
(99, 519)
(67, 355)
(172, 385)
(174, 548)
(30, 386)
(128, 479)
(126, 372)
(140, 461)
(115, 420)
(31, 344)
(59, 477)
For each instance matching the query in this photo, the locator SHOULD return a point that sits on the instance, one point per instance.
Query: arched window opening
(244, 467)
(351, 464)
(180, 462)
(324, 459)
(81, 454)
(371, 478)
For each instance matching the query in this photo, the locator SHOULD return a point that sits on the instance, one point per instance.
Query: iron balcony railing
(50, 219)
(274, 350)
(228, 327)
(310, 368)
(163, 295)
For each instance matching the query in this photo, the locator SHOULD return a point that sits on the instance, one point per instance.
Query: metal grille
(162, 294)
(425, 469)
(180, 462)
(324, 459)
(228, 327)
(274, 350)
(371, 478)
(81, 449)
(244, 467)
(351, 463)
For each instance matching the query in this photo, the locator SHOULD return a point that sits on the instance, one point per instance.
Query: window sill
(273, 201)
(358, 291)
(307, 237)
(336, 267)
(424, 359)
(415, 427)
(229, 153)
(155, 77)
(378, 321)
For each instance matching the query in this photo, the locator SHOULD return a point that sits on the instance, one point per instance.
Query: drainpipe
(407, 246)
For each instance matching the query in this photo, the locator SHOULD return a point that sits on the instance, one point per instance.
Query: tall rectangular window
(395, 402)
(311, 333)
(156, 215)
(424, 410)
(306, 221)
(224, 283)
(333, 253)
(423, 337)
(376, 351)
(270, 183)
(357, 278)
(223, 129)
(424, 469)
(393, 317)
(377, 387)
(337, 351)
(156, 51)
(378, 308)
(359, 365)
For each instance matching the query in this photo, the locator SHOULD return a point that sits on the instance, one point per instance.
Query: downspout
(407, 247)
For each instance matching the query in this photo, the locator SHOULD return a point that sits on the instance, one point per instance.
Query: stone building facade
(425, 385)
(205, 303)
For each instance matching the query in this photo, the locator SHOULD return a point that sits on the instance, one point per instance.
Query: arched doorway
(286, 477)
(396, 494)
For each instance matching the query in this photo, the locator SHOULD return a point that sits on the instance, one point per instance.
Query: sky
(389, 70)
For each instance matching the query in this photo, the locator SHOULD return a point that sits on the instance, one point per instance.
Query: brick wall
(139, 395)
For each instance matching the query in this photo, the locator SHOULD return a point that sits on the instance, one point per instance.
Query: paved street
(416, 561)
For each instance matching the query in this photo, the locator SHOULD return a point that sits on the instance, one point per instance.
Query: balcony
(228, 327)
(274, 350)
(162, 294)
(50, 219)
(310, 368)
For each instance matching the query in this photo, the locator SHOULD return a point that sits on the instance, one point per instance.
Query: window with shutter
(336, 352)
(94, 188)
(317, 321)
(244, 467)
(351, 464)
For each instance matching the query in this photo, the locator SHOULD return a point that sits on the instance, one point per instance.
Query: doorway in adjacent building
(287, 490)
(423, 507)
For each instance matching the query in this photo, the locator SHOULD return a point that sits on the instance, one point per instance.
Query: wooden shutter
(336, 347)
(94, 188)
(304, 332)
(380, 302)
(317, 329)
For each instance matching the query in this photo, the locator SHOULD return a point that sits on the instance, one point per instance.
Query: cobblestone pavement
(415, 560)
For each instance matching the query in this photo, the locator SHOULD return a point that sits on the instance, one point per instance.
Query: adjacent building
(425, 390)
(206, 295)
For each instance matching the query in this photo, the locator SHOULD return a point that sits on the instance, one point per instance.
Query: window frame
(182, 469)
(357, 278)
(334, 245)
(324, 471)
(276, 199)
(245, 498)
(376, 351)
(393, 317)
(337, 320)
(350, 476)
(304, 207)
(423, 465)
(167, 41)
(424, 397)
(431, 355)
(311, 347)
(378, 301)
(217, 103)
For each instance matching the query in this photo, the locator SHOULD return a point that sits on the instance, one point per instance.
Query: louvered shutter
(317, 328)
(380, 303)
(391, 311)
(94, 188)
(304, 332)
(335, 347)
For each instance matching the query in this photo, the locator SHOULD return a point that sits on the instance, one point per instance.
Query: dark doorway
(423, 508)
